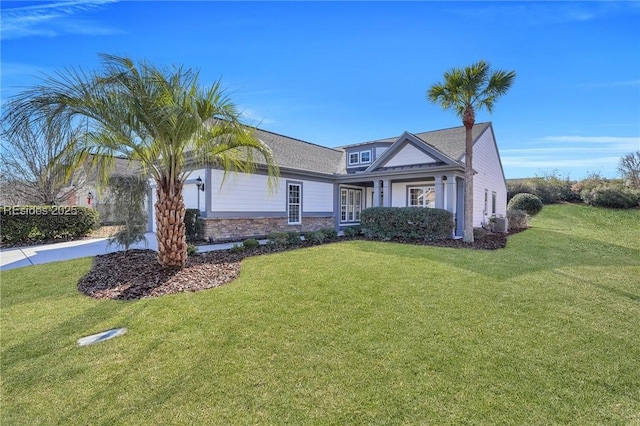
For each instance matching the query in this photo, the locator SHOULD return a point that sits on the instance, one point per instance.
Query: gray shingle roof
(301, 155)
(297, 154)
(451, 142)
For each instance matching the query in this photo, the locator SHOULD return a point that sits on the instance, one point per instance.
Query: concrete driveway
(34, 255)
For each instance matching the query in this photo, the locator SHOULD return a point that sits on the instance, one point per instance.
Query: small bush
(191, 250)
(517, 219)
(194, 225)
(329, 233)
(527, 202)
(293, 238)
(387, 223)
(611, 196)
(479, 233)
(351, 231)
(237, 248)
(315, 237)
(278, 239)
(250, 243)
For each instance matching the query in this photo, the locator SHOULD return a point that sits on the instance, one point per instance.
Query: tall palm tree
(160, 118)
(465, 91)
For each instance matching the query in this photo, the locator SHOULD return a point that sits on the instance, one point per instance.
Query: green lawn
(546, 331)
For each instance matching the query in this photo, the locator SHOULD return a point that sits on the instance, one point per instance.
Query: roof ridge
(298, 140)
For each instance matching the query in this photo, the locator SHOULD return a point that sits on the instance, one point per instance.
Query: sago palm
(161, 118)
(465, 91)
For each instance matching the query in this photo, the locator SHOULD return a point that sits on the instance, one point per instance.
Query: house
(322, 187)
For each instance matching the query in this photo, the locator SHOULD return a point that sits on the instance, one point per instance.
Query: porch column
(386, 195)
(460, 184)
(439, 193)
(451, 194)
(376, 193)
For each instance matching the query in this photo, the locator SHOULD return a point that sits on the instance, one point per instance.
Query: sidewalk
(35, 255)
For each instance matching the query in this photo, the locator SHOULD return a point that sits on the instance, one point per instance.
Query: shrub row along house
(322, 187)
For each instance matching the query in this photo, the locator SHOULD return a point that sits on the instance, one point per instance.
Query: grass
(546, 331)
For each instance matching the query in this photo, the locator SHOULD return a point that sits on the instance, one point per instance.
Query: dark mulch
(136, 274)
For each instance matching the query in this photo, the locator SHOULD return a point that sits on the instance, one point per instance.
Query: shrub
(611, 196)
(20, 224)
(194, 225)
(315, 237)
(527, 202)
(479, 233)
(191, 250)
(518, 187)
(517, 219)
(387, 223)
(351, 231)
(278, 238)
(128, 194)
(250, 243)
(330, 233)
(551, 188)
(237, 248)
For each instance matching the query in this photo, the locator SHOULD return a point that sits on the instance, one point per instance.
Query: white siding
(190, 194)
(317, 196)
(243, 192)
(486, 162)
(377, 152)
(408, 155)
(195, 173)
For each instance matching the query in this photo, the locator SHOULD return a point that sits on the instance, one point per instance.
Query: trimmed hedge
(412, 223)
(527, 202)
(21, 224)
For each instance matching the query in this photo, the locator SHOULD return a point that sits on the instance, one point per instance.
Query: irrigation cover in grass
(99, 337)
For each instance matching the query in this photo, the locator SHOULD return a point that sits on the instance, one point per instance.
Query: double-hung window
(294, 203)
(350, 205)
(354, 158)
(365, 157)
(422, 196)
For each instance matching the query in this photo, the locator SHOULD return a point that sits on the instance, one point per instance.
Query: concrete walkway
(35, 255)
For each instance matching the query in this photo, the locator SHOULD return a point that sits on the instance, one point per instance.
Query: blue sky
(337, 73)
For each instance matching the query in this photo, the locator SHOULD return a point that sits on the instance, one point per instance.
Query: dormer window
(365, 156)
(354, 158)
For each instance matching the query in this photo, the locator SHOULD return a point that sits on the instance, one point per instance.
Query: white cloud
(52, 19)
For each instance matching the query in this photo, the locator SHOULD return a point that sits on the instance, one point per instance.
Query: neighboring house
(322, 187)
(91, 194)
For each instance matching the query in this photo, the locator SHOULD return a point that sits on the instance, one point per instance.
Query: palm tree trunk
(170, 228)
(468, 119)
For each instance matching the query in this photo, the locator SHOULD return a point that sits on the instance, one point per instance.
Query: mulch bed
(136, 274)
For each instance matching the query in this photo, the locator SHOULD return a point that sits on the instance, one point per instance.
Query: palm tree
(160, 118)
(465, 91)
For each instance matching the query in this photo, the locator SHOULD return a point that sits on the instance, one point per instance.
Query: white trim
(291, 204)
(357, 154)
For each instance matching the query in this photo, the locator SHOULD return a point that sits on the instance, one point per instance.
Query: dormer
(359, 157)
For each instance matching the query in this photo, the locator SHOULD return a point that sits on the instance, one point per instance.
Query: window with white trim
(486, 201)
(354, 158)
(350, 205)
(422, 196)
(365, 156)
(294, 203)
(494, 202)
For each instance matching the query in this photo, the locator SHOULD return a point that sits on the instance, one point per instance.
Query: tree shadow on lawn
(532, 251)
